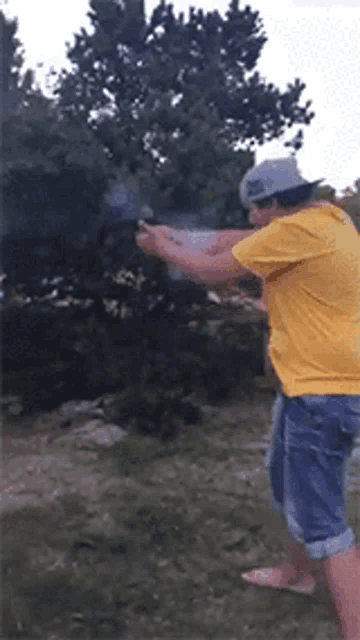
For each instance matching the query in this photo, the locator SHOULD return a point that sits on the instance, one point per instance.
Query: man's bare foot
(279, 578)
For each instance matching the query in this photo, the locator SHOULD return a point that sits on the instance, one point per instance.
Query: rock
(211, 295)
(74, 407)
(208, 410)
(109, 405)
(93, 433)
(11, 405)
(229, 294)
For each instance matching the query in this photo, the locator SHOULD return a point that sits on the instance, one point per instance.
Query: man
(308, 255)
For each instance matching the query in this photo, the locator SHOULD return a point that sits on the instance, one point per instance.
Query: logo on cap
(255, 188)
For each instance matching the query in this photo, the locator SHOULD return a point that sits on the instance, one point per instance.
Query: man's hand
(173, 235)
(149, 239)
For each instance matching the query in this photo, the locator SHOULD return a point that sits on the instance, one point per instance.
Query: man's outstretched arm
(201, 267)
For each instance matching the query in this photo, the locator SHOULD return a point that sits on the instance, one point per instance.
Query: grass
(155, 551)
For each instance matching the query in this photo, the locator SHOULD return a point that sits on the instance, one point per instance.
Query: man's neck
(310, 205)
(290, 212)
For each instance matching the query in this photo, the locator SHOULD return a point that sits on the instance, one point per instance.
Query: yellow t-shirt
(310, 264)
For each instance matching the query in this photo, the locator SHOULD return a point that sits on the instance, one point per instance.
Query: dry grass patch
(154, 547)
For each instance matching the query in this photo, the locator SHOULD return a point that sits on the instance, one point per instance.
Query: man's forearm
(201, 267)
(177, 255)
(222, 240)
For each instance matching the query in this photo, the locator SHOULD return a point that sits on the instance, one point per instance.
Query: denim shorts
(307, 460)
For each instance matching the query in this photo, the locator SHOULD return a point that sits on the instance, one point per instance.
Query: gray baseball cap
(269, 178)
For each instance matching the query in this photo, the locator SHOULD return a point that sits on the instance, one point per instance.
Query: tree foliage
(51, 170)
(14, 89)
(174, 99)
(350, 201)
(178, 105)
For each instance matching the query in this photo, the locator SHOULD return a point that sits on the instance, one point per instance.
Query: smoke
(123, 201)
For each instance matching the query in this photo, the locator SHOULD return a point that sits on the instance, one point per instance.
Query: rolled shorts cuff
(326, 548)
(316, 433)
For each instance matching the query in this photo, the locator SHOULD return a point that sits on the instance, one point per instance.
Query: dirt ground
(147, 541)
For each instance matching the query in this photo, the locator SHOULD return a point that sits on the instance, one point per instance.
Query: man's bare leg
(342, 575)
(296, 563)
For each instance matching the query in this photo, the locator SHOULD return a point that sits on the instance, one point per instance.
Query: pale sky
(317, 42)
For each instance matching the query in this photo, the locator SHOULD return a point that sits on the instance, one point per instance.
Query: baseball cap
(269, 178)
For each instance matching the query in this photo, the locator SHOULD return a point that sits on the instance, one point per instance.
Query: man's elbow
(237, 272)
